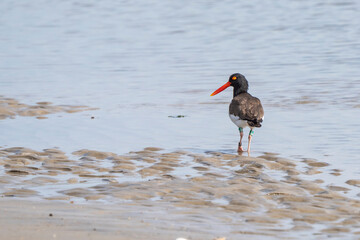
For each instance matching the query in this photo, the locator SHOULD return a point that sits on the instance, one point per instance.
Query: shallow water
(142, 62)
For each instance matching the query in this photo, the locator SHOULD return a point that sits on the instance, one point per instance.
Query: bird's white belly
(238, 122)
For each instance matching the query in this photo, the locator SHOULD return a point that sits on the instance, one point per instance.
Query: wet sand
(10, 108)
(153, 193)
(57, 220)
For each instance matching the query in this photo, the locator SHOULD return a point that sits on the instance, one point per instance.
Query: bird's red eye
(233, 78)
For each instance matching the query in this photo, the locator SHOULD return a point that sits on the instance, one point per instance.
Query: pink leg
(240, 148)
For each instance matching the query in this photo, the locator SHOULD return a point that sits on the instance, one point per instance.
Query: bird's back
(248, 108)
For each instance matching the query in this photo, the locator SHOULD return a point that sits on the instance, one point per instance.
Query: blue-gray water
(141, 61)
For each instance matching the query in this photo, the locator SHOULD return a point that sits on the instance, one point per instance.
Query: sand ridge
(10, 108)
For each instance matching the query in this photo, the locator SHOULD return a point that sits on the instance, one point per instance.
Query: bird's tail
(255, 122)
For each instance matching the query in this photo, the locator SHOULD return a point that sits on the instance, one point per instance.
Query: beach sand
(153, 194)
(22, 219)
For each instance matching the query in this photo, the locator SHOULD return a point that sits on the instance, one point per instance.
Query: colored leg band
(251, 132)
(241, 129)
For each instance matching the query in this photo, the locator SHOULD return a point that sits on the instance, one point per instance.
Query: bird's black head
(237, 81)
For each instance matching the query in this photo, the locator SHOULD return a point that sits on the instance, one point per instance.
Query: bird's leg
(251, 133)
(240, 148)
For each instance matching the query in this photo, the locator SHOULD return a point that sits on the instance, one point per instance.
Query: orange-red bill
(220, 89)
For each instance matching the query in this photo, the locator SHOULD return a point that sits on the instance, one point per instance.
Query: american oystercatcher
(244, 110)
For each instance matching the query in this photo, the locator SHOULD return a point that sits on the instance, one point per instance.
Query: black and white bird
(244, 110)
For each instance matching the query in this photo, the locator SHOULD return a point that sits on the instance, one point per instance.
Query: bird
(244, 109)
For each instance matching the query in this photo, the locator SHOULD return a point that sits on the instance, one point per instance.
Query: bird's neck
(238, 90)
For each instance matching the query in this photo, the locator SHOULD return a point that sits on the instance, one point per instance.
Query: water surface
(142, 62)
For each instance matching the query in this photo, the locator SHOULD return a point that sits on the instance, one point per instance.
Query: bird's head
(236, 80)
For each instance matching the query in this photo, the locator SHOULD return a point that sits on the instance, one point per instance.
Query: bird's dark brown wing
(247, 108)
